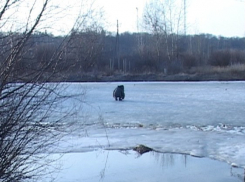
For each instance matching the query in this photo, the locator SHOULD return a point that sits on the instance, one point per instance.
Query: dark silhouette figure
(118, 93)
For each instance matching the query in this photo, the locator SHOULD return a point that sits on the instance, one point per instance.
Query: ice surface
(204, 119)
(126, 166)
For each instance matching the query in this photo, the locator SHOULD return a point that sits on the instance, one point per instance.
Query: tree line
(99, 52)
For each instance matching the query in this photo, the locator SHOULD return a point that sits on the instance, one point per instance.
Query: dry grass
(238, 68)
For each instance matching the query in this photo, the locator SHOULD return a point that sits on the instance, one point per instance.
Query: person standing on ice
(118, 93)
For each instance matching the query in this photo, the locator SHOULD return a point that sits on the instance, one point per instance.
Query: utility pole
(138, 36)
(117, 47)
(185, 17)
(137, 19)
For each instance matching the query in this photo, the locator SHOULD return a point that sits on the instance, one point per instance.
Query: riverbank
(206, 75)
(174, 77)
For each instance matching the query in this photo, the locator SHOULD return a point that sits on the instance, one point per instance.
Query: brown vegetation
(90, 56)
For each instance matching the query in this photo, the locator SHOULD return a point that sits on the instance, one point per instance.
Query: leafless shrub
(220, 58)
(189, 60)
(227, 57)
(237, 68)
(32, 119)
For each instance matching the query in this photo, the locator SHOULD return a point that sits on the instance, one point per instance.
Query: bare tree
(84, 58)
(27, 129)
(164, 19)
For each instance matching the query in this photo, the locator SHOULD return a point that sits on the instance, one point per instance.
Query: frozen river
(203, 119)
(167, 104)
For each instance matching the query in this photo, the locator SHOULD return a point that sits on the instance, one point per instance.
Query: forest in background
(160, 47)
(94, 54)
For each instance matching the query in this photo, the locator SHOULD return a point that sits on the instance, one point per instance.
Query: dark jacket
(118, 93)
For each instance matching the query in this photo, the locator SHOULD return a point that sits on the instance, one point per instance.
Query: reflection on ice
(127, 165)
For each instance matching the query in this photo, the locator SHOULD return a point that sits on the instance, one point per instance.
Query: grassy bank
(208, 73)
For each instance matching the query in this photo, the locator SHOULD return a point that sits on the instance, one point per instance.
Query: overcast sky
(217, 17)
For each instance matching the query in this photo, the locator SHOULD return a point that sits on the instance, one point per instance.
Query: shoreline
(90, 77)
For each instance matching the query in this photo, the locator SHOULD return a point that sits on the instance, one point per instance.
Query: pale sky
(217, 17)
